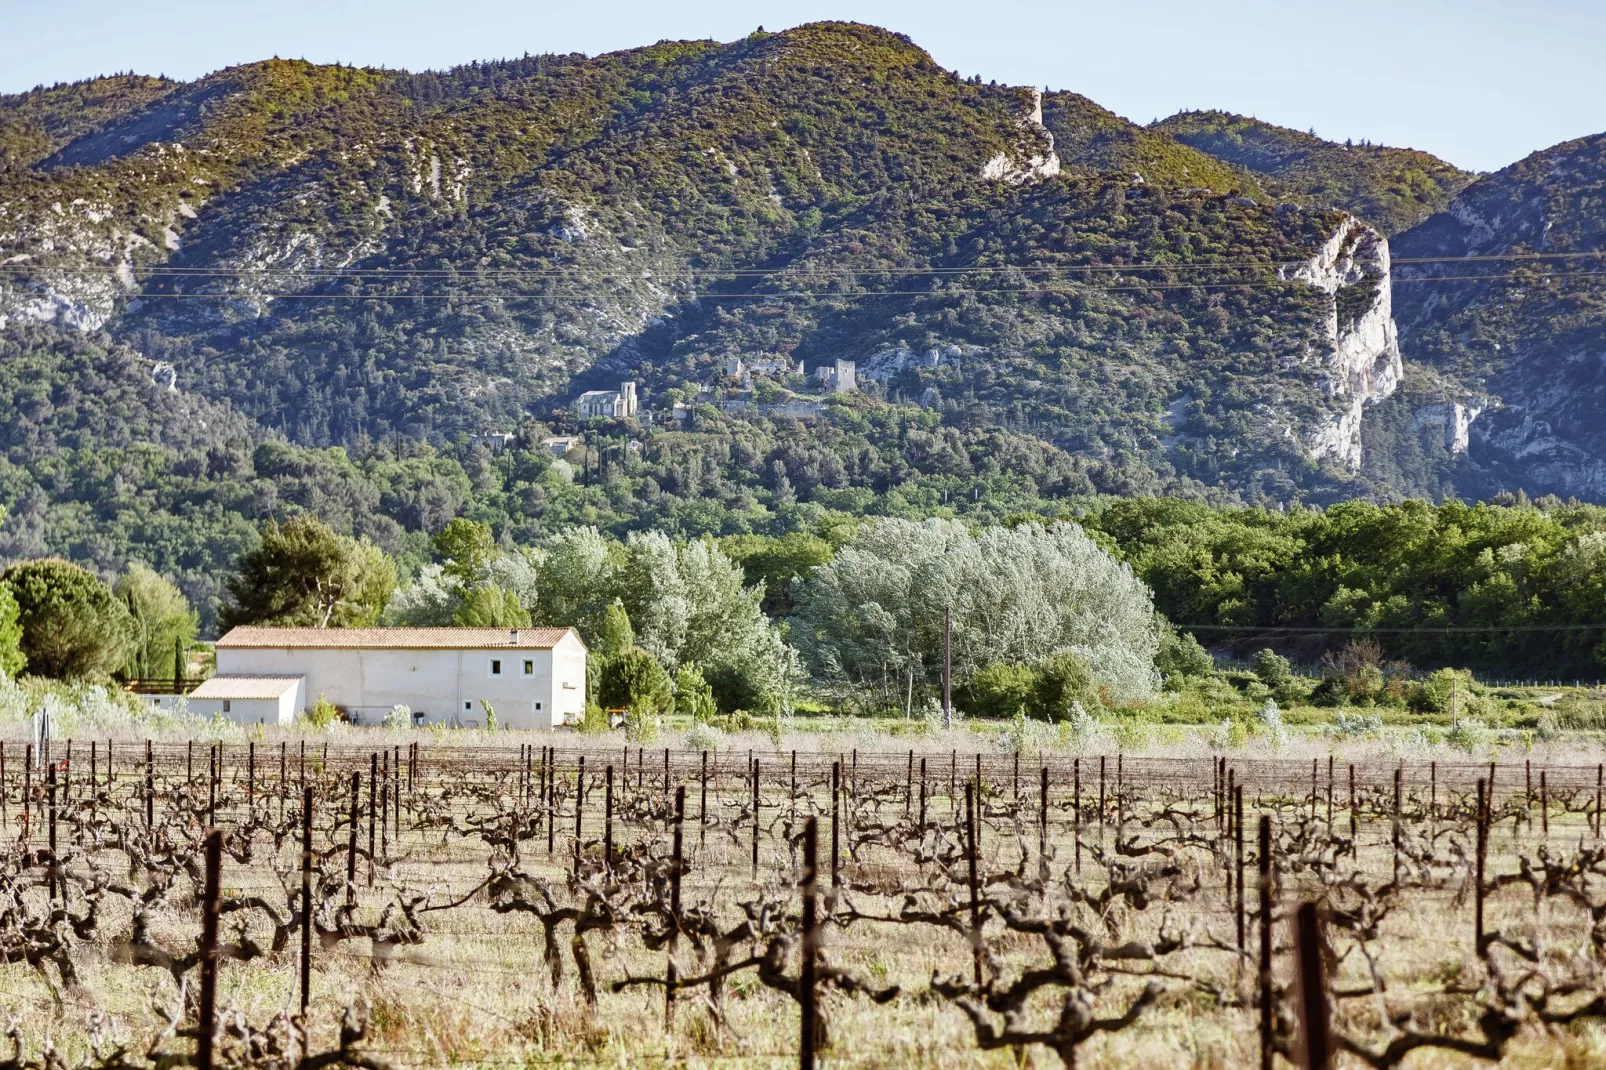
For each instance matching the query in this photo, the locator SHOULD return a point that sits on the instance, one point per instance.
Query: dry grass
(477, 992)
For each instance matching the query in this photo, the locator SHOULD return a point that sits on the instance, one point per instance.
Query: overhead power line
(1261, 629)
(804, 272)
(765, 295)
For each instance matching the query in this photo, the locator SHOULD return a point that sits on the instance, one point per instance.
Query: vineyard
(297, 905)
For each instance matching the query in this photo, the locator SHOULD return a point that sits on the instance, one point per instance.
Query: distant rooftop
(393, 638)
(246, 687)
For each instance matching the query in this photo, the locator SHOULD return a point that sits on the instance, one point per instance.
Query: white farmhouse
(531, 677)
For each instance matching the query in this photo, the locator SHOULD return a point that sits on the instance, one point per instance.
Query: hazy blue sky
(1479, 82)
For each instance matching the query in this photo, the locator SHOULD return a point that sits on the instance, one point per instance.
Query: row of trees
(59, 620)
(1040, 616)
(1509, 588)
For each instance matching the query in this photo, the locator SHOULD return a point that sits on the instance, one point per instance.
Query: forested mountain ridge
(286, 287)
(1391, 188)
(346, 252)
(1523, 326)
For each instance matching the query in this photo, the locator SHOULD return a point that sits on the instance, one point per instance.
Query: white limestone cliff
(1030, 156)
(1454, 417)
(1363, 355)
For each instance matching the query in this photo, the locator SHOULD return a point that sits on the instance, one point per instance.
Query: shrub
(1062, 682)
(999, 689)
(594, 721)
(1273, 669)
(636, 681)
(399, 716)
(321, 714)
(1350, 725)
(1181, 655)
(693, 697)
(1468, 734)
(1271, 721)
(704, 736)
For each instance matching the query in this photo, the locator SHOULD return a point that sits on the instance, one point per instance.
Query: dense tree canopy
(304, 574)
(72, 625)
(872, 620)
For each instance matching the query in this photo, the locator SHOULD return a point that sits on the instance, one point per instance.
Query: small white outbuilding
(250, 698)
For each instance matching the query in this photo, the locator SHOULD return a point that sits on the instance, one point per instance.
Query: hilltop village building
(607, 404)
(531, 677)
(840, 377)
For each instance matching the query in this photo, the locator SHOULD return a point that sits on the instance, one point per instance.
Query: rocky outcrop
(1454, 417)
(1363, 353)
(1030, 156)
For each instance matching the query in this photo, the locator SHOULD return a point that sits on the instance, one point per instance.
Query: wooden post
(284, 775)
(251, 777)
(1042, 816)
(909, 788)
(54, 868)
(1477, 889)
(1120, 799)
(27, 792)
(1355, 843)
(836, 814)
(676, 865)
(1238, 837)
(1076, 819)
(1226, 806)
(1329, 795)
(1396, 832)
(351, 844)
(1544, 805)
(211, 785)
(1600, 781)
(953, 781)
(702, 805)
(306, 901)
(1314, 1019)
(607, 823)
(791, 796)
(975, 901)
(922, 826)
(755, 818)
(1313, 791)
(1101, 800)
(1267, 1012)
(579, 811)
(551, 784)
(806, 995)
(373, 814)
(206, 1028)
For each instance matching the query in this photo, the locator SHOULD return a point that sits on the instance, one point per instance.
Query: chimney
(513, 637)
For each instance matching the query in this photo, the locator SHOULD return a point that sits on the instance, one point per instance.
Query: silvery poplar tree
(872, 619)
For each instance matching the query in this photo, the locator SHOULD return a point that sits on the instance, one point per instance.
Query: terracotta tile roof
(246, 687)
(395, 638)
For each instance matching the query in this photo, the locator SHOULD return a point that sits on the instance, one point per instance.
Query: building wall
(249, 711)
(444, 686)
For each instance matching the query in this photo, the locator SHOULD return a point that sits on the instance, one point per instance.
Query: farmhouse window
(496, 666)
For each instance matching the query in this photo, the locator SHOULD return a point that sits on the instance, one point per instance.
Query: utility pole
(947, 667)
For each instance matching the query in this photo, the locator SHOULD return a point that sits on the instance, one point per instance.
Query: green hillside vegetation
(509, 233)
(1393, 189)
(37, 124)
(1095, 138)
(1525, 323)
